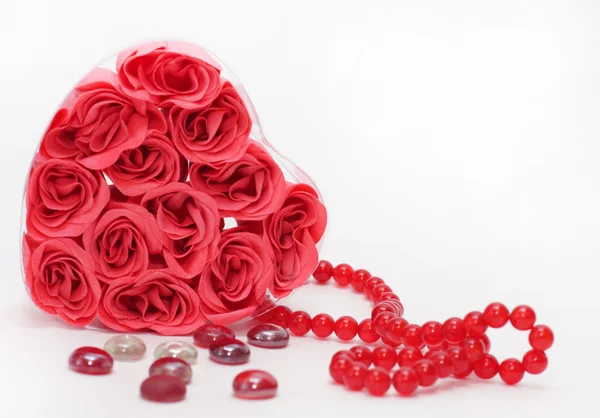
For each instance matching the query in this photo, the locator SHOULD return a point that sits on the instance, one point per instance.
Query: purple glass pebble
(229, 351)
(268, 336)
(208, 334)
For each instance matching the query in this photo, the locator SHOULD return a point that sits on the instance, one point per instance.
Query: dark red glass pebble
(208, 334)
(229, 351)
(163, 388)
(254, 384)
(268, 336)
(90, 360)
(173, 367)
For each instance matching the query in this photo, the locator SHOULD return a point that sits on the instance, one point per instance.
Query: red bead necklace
(457, 347)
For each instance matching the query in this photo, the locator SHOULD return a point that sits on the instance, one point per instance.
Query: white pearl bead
(177, 349)
(125, 348)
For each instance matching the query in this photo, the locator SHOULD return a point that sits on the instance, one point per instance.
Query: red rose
(60, 277)
(217, 133)
(169, 73)
(155, 300)
(99, 123)
(63, 199)
(234, 284)
(153, 164)
(122, 240)
(189, 220)
(250, 188)
(293, 233)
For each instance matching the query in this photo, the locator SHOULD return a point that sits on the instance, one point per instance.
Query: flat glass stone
(90, 360)
(177, 349)
(229, 351)
(254, 384)
(208, 334)
(268, 336)
(163, 388)
(173, 367)
(125, 348)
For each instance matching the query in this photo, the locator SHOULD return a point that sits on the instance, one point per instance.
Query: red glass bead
(209, 333)
(380, 322)
(323, 272)
(405, 381)
(354, 378)
(379, 290)
(442, 362)
(394, 329)
(535, 361)
(280, 315)
(426, 371)
(381, 308)
(433, 334)
(322, 325)
(90, 360)
(338, 368)
(299, 323)
(511, 371)
(378, 381)
(464, 374)
(454, 330)
(389, 342)
(229, 351)
(496, 315)
(460, 361)
(408, 356)
(254, 384)
(487, 344)
(163, 388)
(474, 324)
(342, 274)
(346, 328)
(370, 284)
(344, 353)
(474, 349)
(541, 337)
(522, 317)
(487, 367)
(366, 331)
(173, 367)
(388, 296)
(412, 336)
(358, 279)
(385, 357)
(268, 336)
(362, 354)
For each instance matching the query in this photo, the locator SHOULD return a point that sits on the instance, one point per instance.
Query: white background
(456, 144)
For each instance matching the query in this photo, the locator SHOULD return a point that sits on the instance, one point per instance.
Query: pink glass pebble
(90, 360)
(163, 388)
(254, 384)
(268, 336)
(208, 334)
(172, 367)
(229, 351)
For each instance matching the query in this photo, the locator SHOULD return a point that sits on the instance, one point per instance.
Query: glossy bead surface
(338, 368)
(473, 349)
(426, 371)
(535, 361)
(254, 384)
(354, 378)
(366, 331)
(388, 296)
(460, 361)
(412, 336)
(381, 308)
(344, 353)
(229, 351)
(268, 336)
(378, 381)
(380, 322)
(323, 272)
(322, 325)
(299, 323)
(345, 328)
(342, 274)
(379, 290)
(208, 334)
(125, 348)
(405, 381)
(163, 388)
(454, 330)
(90, 360)
(370, 284)
(522, 317)
(177, 349)
(408, 356)
(362, 354)
(173, 367)
(433, 334)
(474, 324)
(394, 329)
(496, 315)
(511, 371)
(280, 315)
(466, 373)
(359, 277)
(384, 356)
(487, 367)
(541, 337)
(442, 362)
(487, 344)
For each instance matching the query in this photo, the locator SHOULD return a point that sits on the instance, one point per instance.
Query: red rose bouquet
(155, 203)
